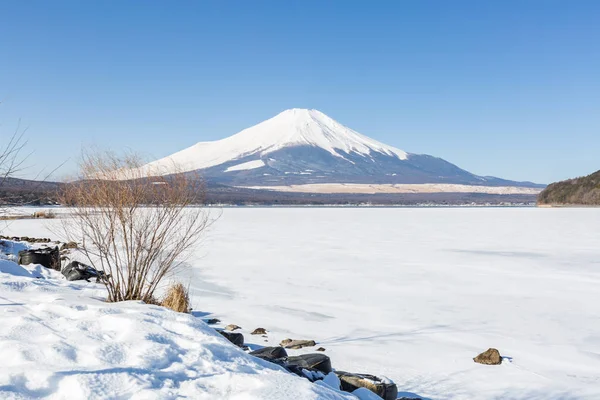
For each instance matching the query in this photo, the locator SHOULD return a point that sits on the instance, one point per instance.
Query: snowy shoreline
(409, 293)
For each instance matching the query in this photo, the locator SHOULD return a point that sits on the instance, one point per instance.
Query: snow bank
(60, 340)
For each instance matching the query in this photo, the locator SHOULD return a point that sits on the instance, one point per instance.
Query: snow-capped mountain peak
(300, 146)
(290, 128)
(299, 126)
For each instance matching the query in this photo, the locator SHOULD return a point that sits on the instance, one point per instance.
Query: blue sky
(504, 88)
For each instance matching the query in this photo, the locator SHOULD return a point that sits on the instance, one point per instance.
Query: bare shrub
(177, 298)
(135, 225)
(11, 162)
(11, 155)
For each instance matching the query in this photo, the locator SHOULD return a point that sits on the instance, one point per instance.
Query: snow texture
(60, 340)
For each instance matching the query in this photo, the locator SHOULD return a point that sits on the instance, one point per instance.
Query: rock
(311, 362)
(232, 327)
(489, 357)
(321, 349)
(297, 344)
(49, 258)
(383, 388)
(212, 321)
(235, 338)
(259, 331)
(270, 353)
(69, 245)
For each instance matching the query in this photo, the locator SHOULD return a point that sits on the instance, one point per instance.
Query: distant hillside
(578, 191)
(15, 191)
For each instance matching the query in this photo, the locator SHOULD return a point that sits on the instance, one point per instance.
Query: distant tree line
(19, 192)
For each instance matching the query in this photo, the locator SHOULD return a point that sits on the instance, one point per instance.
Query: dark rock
(312, 362)
(49, 258)
(384, 389)
(76, 271)
(235, 338)
(489, 357)
(297, 344)
(232, 327)
(212, 321)
(321, 349)
(259, 331)
(270, 353)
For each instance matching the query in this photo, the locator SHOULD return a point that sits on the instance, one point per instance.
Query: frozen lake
(414, 294)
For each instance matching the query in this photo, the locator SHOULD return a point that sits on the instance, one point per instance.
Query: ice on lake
(415, 293)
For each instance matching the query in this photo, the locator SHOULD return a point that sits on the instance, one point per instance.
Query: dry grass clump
(48, 214)
(177, 298)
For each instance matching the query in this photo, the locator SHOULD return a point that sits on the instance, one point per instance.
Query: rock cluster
(313, 366)
(25, 239)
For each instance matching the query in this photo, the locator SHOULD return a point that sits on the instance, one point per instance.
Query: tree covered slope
(579, 191)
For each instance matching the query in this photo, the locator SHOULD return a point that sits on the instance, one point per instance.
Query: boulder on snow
(212, 321)
(489, 357)
(235, 338)
(49, 258)
(383, 388)
(297, 344)
(311, 362)
(320, 349)
(232, 327)
(76, 271)
(259, 331)
(270, 353)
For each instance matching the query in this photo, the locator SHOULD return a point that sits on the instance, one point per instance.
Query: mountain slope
(306, 146)
(578, 191)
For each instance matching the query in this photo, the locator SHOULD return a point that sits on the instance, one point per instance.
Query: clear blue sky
(504, 88)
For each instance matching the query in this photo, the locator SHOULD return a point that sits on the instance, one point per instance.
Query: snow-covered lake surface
(414, 294)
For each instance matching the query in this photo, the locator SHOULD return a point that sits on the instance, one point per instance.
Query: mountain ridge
(306, 146)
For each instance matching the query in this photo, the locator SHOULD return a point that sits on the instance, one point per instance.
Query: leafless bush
(177, 298)
(135, 226)
(11, 159)
(11, 155)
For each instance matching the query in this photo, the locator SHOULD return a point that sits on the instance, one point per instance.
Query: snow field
(411, 294)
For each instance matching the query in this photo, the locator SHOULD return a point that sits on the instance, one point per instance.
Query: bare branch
(136, 225)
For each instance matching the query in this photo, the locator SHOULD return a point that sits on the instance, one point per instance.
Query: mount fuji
(300, 146)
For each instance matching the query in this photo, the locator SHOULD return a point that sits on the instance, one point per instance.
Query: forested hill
(578, 191)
